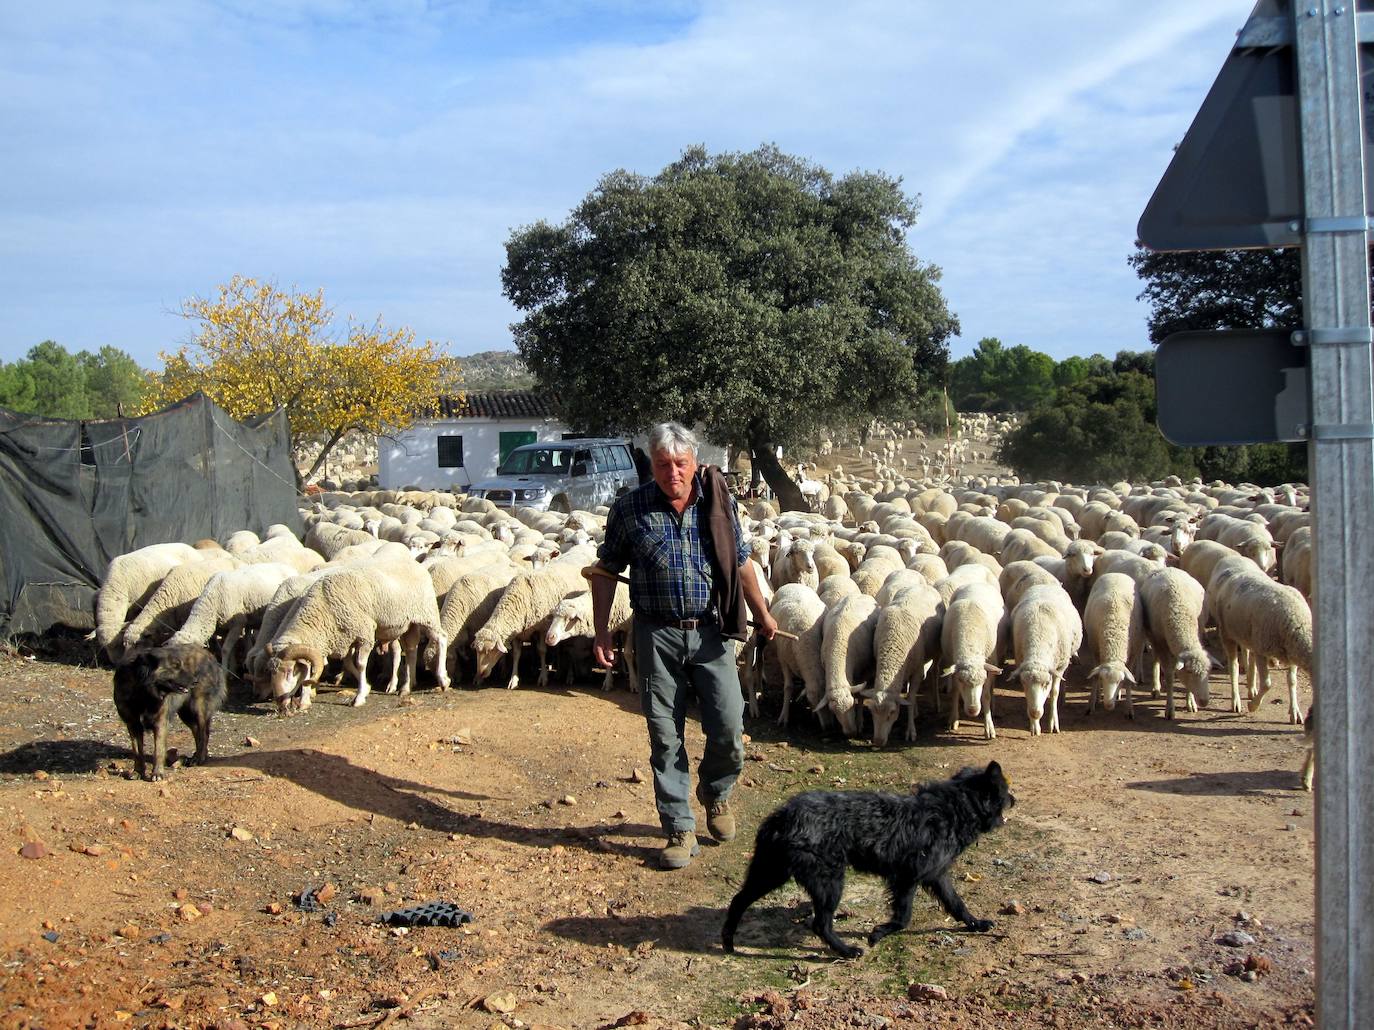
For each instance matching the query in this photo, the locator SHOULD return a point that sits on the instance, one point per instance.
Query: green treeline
(53, 382)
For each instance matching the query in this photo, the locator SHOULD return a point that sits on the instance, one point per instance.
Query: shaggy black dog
(910, 840)
(150, 686)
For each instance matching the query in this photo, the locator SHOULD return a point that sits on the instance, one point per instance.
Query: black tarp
(74, 495)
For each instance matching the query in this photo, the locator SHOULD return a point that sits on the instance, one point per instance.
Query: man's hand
(767, 625)
(604, 650)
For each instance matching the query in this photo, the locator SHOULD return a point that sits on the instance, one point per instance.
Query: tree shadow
(356, 786)
(1239, 784)
(61, 756)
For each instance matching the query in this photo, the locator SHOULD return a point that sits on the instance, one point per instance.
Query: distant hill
(495, 370)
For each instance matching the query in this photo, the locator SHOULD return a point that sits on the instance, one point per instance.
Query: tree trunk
(334, 438)
(787, 493)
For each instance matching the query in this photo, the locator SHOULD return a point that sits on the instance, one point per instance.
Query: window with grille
(450, 452)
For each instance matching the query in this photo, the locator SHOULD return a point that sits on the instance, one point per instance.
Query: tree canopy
(999, 378)
(752, 293)
(258, 347)
(55, 383)
(1220, 289)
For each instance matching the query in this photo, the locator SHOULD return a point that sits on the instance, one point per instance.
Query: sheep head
(1109, 676)
(488, 648)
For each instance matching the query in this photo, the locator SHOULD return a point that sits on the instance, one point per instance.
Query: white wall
(412, 457)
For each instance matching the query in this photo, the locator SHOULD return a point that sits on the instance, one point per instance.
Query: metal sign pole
(1341, 466)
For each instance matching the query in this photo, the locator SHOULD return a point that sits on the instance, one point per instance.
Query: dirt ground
(1135, 847)
(521, 808)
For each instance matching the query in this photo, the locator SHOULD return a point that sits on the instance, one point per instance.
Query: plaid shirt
(668, 554)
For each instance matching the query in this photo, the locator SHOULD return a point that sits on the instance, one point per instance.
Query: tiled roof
(500, 404)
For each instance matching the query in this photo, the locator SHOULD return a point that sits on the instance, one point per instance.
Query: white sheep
(833, 588)
(1171, 604)
(906, 637)
(1295, 567)
(1271, 621)
(1251, 539)
(573, 618)
(348, 613)
(170, 604)
(796, 564)
(800, 611)
(232, 601)
(1113, 638)
(469, 604)
(130, 581)
(523, 610)
(847, 657)
(880, 562)
(969, 651)
(329, 539)
(1023, 545)
(1046, 632)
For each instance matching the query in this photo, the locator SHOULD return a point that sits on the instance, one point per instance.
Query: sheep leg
(410, 643)
(362, 649)
(1294, 713)
(1261, 665)
(1054, 702)
(1233, 670)
(395, 649)
(1168, 680)
(1094, 689)
(543, 650)
(232, 633)
(1155, 686)
(911, 720)
(441, 660)
(1126, 689)
(514, 680)
(989, 732)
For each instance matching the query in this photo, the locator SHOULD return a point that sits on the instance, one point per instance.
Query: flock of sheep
(892, 585)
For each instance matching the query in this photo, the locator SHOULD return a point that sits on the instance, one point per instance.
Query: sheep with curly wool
(573, 618)
(469, 604)
(523, 611)
(349, 613)
(1046, 632)
(878, 564)
(329, 539)
(833, 588)
(847, 657)
(1270, 621)
(905, 637)
(1251, 539)
(1023, 545)
(800, 611)
(130, 581)
(1075, 569)
(1171, 604)
(1113, 638)
(969, 651)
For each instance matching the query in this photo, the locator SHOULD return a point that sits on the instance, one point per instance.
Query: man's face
(673, 473)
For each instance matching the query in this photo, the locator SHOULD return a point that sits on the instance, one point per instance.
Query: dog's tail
(768, 870)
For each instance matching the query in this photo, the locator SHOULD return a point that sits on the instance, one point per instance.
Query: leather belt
(687, 624)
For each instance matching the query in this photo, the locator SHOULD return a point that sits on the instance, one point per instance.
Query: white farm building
(472, 436)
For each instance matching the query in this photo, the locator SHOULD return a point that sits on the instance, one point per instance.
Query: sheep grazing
(906, 636)
(799, 611)
(348, 613)
(968, 651)
(232, 602)
(1113, 638)
(1171, 604)
(170, 604)
(130, 581)
(847, 657)
(523, 610)
(1271, 621)
(1046, 632)
(469, 604)
(573, 618)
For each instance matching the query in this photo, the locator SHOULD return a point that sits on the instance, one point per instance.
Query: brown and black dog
(150, 686)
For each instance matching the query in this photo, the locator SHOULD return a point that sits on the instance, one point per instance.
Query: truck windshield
(546, 461)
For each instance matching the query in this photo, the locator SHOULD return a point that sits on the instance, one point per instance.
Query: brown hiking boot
(719, 819)
(681, 849)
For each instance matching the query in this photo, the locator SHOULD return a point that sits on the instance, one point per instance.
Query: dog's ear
(993, 769)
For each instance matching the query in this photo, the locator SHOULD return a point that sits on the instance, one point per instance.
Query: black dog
(911, 840)
(151, 685)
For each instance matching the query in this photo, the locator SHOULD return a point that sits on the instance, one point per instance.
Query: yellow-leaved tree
(258, 347)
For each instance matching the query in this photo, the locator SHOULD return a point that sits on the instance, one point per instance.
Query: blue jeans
(673, 664)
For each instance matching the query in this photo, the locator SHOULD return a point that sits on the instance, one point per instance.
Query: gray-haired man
(689, 574)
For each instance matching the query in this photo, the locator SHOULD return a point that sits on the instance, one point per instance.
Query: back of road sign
(1236, 179)
(1235, 387)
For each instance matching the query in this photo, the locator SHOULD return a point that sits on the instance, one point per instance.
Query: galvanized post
(1341, 468)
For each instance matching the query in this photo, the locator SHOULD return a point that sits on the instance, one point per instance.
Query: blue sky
(384, 150)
